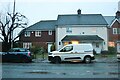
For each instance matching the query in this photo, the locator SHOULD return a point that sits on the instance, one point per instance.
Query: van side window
(67, 49)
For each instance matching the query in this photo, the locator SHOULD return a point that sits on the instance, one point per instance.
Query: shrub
(37, 50)
(111, 50)
(52, 47)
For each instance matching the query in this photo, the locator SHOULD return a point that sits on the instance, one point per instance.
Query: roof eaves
(114, 22)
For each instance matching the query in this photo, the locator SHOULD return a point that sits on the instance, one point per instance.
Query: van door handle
(87, 51)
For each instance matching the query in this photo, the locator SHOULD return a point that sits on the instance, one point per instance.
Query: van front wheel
(87, 59)
(57, 60)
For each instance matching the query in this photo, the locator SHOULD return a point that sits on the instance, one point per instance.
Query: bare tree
(8, 24)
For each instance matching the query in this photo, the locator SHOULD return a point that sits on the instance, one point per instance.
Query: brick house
(41, 34)
(114, 30)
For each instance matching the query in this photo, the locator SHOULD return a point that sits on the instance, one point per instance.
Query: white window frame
(27, 45)
(115, 30)
(37, 33)
(68, 30)
(50, 32)
(27, 33)
(118, 30)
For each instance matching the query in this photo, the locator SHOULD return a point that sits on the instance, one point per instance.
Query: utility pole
(13, 25)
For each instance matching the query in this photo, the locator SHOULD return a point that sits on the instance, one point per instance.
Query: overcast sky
(36, 10)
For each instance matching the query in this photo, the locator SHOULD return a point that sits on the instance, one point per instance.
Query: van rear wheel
(57, 60)
(87, 59)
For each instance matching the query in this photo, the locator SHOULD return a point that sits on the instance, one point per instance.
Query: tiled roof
(43, 25)
(109, 19)
(74, 19)
(81, 19)
(82, 38)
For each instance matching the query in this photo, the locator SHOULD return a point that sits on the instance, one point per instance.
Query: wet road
(44, 69)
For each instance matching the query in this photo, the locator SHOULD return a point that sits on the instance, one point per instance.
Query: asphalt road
(101, 68)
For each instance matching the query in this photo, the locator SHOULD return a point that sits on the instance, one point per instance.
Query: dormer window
(27, 34)
(68, 30)
(50, 32)
(37, 33)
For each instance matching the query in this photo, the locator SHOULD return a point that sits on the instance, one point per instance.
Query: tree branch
(2, 39)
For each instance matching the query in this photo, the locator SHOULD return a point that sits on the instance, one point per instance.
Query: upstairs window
(50, 32)
(115, 31)
(68, 30)
(27, 34)
(37, 33)
(118, 30)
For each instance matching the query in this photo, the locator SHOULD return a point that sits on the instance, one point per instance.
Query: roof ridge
(47, 20)
(108, 16)
(76, 14)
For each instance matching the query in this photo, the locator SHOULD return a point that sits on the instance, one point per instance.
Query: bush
(37, 50)
(111, 50)
(52, 47)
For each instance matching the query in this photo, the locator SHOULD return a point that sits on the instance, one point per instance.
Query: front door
(98, 48)
(49, 47)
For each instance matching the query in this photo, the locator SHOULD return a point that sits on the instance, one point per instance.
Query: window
(115, 31)
(75, 42)
(50, 32)
(118, 30)
(66, 43)
(38, 33)
(69, 30)
(27, 45)
(27, 34)
(97, 45)
(112, 44)
(67, 49)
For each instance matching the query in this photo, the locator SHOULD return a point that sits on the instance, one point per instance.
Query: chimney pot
(79, 11)
(117, 14)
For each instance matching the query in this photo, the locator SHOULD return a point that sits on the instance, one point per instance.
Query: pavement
(101, 59)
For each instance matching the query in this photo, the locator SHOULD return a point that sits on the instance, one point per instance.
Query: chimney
(117, 14)
(79, 11)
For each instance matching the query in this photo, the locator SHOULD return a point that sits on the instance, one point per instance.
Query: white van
(73, 53)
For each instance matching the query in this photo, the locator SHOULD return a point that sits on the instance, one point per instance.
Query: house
(114, 31)
(40, 34)
(111, 40)
(67, 29)
(82, 28)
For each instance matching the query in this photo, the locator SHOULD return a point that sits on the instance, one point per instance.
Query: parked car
(118, 50)
(118, 56)
(73, 53)
(17, 55)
